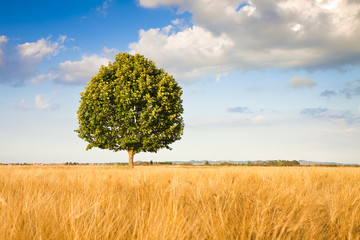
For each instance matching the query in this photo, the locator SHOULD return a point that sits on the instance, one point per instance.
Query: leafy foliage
(131, 105)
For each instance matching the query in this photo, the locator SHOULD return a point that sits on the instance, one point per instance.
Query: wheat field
(173, 202)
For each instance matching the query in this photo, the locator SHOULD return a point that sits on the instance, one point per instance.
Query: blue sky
(261, 79)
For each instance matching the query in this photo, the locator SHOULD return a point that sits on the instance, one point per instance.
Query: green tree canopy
(131, 105)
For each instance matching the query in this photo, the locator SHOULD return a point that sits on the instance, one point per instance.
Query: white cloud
(192, 47)
(22, 61)
(42, 102)
(42, 48)
(110, 52)
(40, 78)
(300, 82)
(327, 5)
(156, 3)
(75, 72)
(260, 34)
(80, 71)
(297, 27)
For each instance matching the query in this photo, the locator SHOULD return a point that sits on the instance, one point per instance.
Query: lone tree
(131, 105)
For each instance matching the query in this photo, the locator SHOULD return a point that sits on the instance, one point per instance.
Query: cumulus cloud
(190, 53)
(239, 110)
(20, 62)
(79, 72)
(41, 102)
(257, 34)
(300, 82)
(41, 49)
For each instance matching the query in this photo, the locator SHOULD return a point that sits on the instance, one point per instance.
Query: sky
(262, 80)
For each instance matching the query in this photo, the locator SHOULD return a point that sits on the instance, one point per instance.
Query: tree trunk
(131, 158)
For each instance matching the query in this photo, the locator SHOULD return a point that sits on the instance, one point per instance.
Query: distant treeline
(262, 163)
(204, 163)
(275, 163)
(207, 163)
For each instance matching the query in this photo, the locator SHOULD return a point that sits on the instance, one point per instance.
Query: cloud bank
(233, 35)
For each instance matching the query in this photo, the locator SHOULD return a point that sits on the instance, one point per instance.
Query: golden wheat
(109, 202)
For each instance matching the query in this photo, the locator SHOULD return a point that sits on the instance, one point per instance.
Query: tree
(131, 105)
